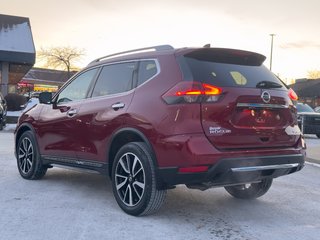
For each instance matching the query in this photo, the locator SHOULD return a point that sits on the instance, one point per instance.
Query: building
(17, 51)
(308, 91)
(41, 79)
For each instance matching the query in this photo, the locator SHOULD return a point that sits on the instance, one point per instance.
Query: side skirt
(75, 163)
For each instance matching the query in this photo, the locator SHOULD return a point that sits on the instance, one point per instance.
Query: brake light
(292, 95)
(192, 92)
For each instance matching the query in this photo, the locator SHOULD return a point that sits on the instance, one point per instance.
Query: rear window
(225, 74)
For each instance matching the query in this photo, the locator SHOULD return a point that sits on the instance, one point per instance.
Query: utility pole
(271, 52)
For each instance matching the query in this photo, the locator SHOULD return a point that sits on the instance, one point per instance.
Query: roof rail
(156, 48)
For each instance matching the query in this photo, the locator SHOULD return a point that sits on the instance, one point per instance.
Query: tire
(1, 125)
(251, 190)
(318, 135)
(28, 157)
(134, 180)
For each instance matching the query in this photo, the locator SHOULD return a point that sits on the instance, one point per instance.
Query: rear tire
(134, 180)
(28, 157)
(251, 190)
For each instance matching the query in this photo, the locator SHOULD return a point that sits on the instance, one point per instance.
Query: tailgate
(243, 120)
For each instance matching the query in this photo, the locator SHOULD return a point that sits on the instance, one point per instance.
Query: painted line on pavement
(313, 164)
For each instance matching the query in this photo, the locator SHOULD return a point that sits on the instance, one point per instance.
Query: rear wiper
(268, 84)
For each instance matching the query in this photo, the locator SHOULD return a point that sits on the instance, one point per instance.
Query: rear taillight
(192, 92)
(292, 95)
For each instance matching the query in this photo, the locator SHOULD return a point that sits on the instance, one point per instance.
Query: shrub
(15, 102)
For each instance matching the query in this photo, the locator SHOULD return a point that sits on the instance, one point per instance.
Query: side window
(147, 70)
(78, 88)
(115, 78)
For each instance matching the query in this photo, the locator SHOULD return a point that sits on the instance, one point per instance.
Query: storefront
(42, 80)
(17, 51)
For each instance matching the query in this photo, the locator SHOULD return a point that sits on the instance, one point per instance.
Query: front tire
(134, 180)
(28, 157)
(251, 190)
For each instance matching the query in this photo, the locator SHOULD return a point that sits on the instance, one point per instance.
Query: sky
(103, 27)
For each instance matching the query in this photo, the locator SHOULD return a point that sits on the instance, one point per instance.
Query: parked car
(317, 109)
(309, 120)
(3, 111)
(156, 117)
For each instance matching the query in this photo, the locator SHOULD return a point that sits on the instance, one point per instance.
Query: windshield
(301, 107)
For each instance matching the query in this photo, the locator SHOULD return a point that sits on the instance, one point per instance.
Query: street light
(271, 52)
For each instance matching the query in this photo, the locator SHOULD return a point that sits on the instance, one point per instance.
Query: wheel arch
(122, 137)
(22, 129)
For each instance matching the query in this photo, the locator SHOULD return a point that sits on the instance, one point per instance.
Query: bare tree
(314, 74)
(60, 57)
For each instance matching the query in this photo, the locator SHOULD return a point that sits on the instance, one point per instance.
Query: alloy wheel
(25, 155)
(130, 179)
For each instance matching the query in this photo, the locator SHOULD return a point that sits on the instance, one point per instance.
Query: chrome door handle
(72, 112)
(117, 106)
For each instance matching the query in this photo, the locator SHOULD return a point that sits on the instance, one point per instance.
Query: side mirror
(45, 97)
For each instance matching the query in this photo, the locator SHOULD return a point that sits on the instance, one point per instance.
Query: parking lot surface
(71, 205)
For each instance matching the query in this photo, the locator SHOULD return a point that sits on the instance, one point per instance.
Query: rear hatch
(252, 108)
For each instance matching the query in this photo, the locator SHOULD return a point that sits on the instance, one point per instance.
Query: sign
(45, 88)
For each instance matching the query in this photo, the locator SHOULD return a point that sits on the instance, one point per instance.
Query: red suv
(157, 117)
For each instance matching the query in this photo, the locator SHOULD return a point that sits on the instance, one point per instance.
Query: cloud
(300, 45)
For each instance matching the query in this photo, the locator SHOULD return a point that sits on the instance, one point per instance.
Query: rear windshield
(226, 74)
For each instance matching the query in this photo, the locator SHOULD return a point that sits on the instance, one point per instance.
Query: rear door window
(115, 78)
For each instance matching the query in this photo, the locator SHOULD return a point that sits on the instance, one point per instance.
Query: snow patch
(10, 127)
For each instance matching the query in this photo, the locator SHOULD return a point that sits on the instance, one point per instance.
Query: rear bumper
(232, 171)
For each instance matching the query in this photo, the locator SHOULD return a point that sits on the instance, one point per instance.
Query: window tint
(225, 74)
(147, 69)
(78, 88)
(116, 78)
